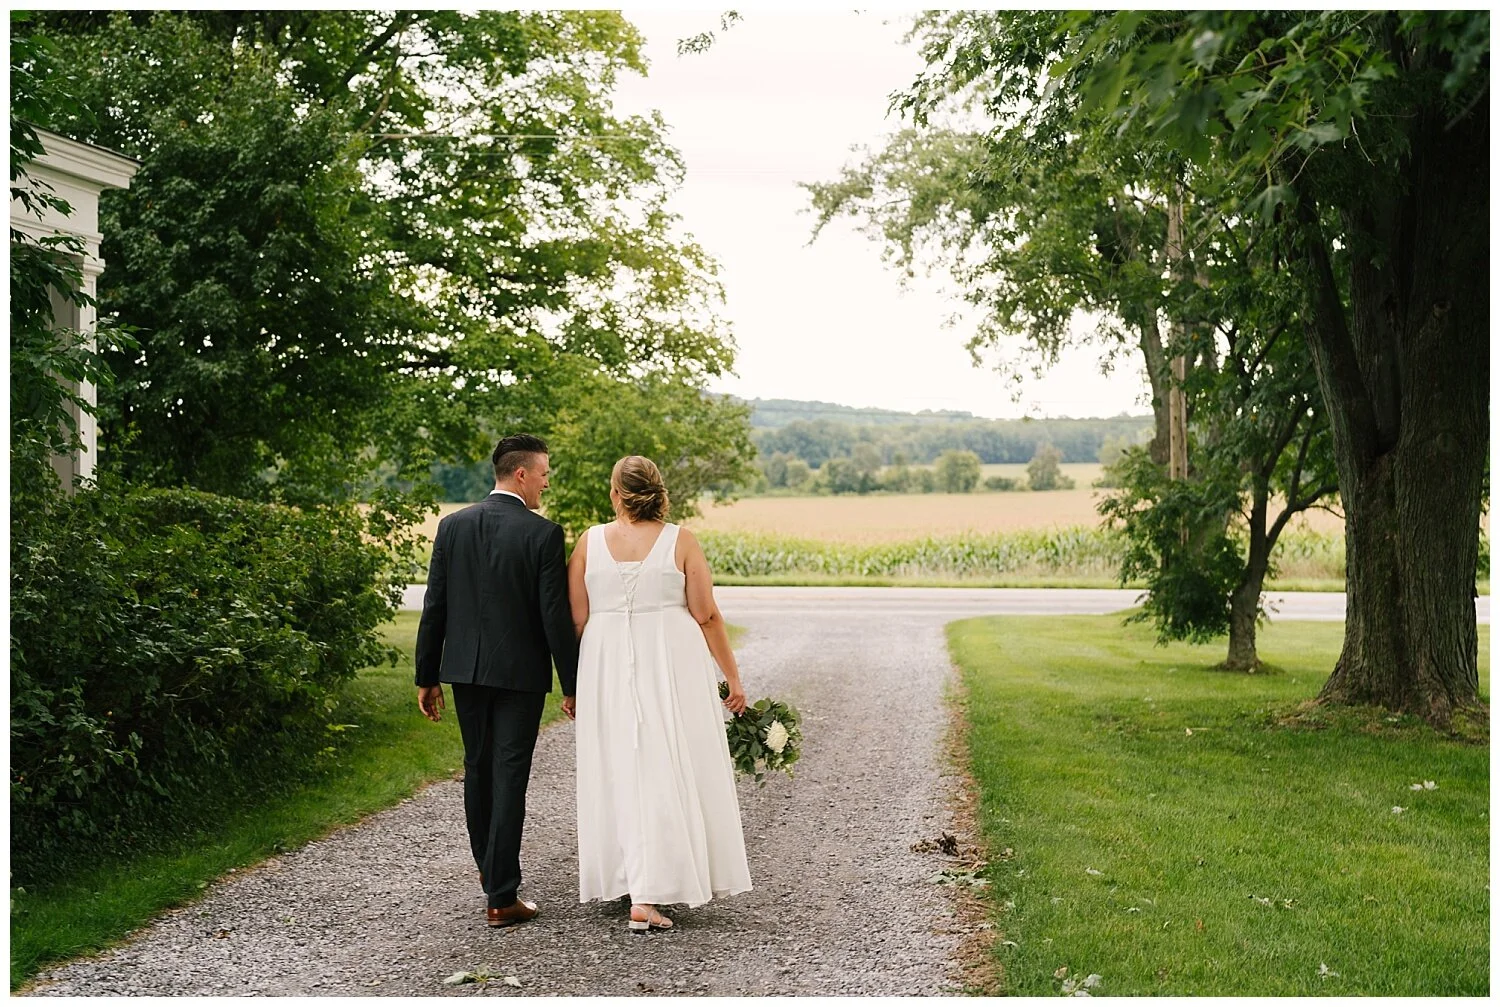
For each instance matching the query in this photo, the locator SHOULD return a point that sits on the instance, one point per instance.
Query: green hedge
(160, 638)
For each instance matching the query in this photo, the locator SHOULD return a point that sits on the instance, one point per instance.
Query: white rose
(776, 737)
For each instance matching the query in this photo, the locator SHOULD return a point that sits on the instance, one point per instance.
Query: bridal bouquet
(764, 739)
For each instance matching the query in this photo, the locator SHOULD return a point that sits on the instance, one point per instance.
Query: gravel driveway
(841, 904)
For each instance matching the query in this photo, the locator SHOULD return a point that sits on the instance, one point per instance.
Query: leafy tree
(700, 442)
(1111, 450)
(1035, 226)
(355, 232)
(838, 475)
(463, 483)
(774, 468)
(1043, 473)
(815, 441)
(1061, 207)
(48, 364)
(1256, 431)
(798, 473)
(867, 465)
(956, 471)
(898, 478)
(1364, 137)
(1177, 541)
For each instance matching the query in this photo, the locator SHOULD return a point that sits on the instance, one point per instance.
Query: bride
(658, 818)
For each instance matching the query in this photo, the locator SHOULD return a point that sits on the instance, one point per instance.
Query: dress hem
(718, 894)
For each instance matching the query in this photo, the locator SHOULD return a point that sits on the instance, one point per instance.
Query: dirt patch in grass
(1470, 726)
(979, 969)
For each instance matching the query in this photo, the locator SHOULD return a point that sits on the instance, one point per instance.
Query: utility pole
(1176, 397)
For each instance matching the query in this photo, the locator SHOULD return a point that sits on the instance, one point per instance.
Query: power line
(505, 136)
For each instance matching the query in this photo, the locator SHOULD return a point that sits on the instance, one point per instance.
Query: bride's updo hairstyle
(643, 494)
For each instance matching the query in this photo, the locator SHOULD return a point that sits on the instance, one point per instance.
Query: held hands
(430, 702)
(570, 706)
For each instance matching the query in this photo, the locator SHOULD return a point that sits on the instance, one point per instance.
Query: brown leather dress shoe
(518, 911)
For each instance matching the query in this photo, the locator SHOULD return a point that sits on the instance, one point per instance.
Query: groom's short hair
(516, 451)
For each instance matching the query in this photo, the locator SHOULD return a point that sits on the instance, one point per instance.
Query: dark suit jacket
(496, 611)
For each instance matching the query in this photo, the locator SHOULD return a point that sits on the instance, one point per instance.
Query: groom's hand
(430, 702)
(570, 706)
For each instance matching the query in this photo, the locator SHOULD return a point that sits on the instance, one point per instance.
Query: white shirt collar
(510, 494)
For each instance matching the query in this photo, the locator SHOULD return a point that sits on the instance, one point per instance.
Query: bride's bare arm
(700, 602)
(578, 594)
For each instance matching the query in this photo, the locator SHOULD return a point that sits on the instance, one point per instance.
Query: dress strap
(668, 547)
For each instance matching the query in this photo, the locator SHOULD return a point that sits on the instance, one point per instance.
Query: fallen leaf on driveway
(477, 976)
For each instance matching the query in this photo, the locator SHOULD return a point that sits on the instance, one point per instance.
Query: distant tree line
(780, 412)
(921, 443)
(829, 456)
(954, 471)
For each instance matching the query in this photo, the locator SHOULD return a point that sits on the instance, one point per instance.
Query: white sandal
(653, 920)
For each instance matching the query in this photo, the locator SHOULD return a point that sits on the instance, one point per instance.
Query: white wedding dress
(658, 818)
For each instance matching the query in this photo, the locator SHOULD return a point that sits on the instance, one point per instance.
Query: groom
(494, 622)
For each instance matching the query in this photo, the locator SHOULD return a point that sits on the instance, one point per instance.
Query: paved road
(741, 603)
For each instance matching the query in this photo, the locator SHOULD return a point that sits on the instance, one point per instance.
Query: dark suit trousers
(499, 728)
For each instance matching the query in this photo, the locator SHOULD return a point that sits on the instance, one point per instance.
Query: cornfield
(1065, 552)
(1076, 552)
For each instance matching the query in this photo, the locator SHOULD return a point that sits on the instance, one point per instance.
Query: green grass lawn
(1240, 858)
(391, 753)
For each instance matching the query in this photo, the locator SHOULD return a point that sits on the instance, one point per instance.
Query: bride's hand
(735, 701)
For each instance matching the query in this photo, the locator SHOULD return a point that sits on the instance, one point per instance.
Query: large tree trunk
(1407, 386)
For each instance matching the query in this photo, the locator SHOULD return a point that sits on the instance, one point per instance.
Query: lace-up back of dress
(635, 586)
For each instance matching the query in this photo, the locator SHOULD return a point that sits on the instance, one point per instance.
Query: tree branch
(1331, 342)
(1295, 507)
(398, 23)
(1323, 490)
(1283, 439)
(1265, 350)
(1464, 112)
(1302, 449)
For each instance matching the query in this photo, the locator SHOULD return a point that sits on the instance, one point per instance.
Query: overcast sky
(779, 99)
